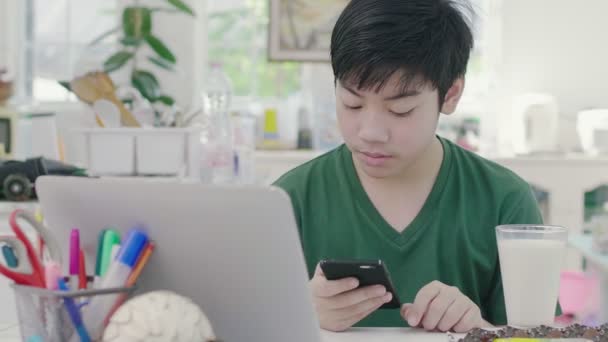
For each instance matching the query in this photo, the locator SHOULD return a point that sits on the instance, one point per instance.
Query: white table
(10, 333)
(386, 335)
(583, 243)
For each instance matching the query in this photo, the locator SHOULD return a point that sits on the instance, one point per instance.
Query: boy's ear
(452, 97)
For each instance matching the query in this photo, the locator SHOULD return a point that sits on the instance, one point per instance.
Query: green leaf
(146, 83)
(130, 41)
(160, 48)
(104, 35)
(182, 6)
(166, 99)
(165, 10)
(117, 60)
(136, 22)
(65, 84)
(161, 63)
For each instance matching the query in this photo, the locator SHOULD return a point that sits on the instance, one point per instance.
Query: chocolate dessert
(596, 334)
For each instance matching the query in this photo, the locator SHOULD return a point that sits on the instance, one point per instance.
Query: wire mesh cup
(43, 314)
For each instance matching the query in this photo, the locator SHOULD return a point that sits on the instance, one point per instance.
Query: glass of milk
(531, 259)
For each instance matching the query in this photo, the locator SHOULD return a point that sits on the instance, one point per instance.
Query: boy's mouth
(375, 155)
(374, 158)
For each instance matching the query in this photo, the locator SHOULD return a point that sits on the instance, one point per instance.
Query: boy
(397, 192)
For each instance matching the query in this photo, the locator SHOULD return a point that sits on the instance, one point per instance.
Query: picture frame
(300, 30)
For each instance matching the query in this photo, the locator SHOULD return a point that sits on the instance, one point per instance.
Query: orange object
(39, 218)
(61, 145)
(139, 266)
(98, 85)
(82, 272)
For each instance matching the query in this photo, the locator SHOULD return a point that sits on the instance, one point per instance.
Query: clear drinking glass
(531, 259)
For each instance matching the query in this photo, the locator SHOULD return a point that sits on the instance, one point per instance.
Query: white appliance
(592, 127)
(540, 116)
(37, 136)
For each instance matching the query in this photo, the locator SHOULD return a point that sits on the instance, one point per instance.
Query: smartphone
(368, 272)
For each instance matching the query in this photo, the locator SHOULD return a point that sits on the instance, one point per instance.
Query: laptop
(235, 251)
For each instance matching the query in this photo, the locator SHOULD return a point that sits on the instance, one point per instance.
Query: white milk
(530, 277)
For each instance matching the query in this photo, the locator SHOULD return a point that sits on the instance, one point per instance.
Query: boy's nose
(372, 130)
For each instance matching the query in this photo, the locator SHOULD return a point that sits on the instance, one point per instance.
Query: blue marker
(74, 313)
(9, 256)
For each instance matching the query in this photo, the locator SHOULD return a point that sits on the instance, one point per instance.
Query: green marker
(99, 256)
(110, 239)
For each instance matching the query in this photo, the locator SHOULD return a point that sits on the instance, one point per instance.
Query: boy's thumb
(408, 313)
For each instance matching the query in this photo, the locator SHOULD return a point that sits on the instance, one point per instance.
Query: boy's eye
(402, 114)
(352, 107)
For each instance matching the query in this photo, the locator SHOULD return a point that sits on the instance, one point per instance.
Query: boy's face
(388, 131)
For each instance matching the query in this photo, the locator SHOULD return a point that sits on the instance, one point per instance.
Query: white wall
(555, 46)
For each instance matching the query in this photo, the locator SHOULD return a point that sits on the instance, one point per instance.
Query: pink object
(74, 251)
(74, 258)
(52, 272)
(579, 293)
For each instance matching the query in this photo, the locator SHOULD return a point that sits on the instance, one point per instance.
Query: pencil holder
(43, 314)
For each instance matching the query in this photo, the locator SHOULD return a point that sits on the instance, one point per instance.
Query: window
(56, 37)
(6, 8)
(473, 112)
(57, 34)
(238, 34)
(478, 75)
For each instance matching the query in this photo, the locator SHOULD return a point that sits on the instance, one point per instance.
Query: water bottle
(216, 135)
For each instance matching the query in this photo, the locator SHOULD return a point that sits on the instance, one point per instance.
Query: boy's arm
(521, 208)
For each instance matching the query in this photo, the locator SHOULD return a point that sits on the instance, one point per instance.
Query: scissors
(26, 273)
(29, 270)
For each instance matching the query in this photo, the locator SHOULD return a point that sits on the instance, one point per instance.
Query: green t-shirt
(452, 239)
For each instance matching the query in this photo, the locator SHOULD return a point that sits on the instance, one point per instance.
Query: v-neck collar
(421, 220)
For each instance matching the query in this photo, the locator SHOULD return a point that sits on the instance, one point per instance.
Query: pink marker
(74, 258)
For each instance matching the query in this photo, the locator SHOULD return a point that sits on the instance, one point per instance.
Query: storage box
(173, 152)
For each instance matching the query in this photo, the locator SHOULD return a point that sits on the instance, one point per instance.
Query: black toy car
(17, 178)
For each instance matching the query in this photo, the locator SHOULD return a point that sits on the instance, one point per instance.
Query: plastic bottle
(216, 135)
(244, 132)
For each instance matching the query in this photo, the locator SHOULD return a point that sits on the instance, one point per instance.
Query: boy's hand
(340, 304)
(441, 307)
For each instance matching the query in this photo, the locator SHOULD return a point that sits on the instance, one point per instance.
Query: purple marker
(74, 257)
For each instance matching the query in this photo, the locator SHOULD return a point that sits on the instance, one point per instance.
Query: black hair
(425, 40)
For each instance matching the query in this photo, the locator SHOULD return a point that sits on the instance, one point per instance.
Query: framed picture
(300, 30)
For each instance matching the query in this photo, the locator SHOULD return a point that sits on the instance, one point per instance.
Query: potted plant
(130, 150)
(134, 32)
